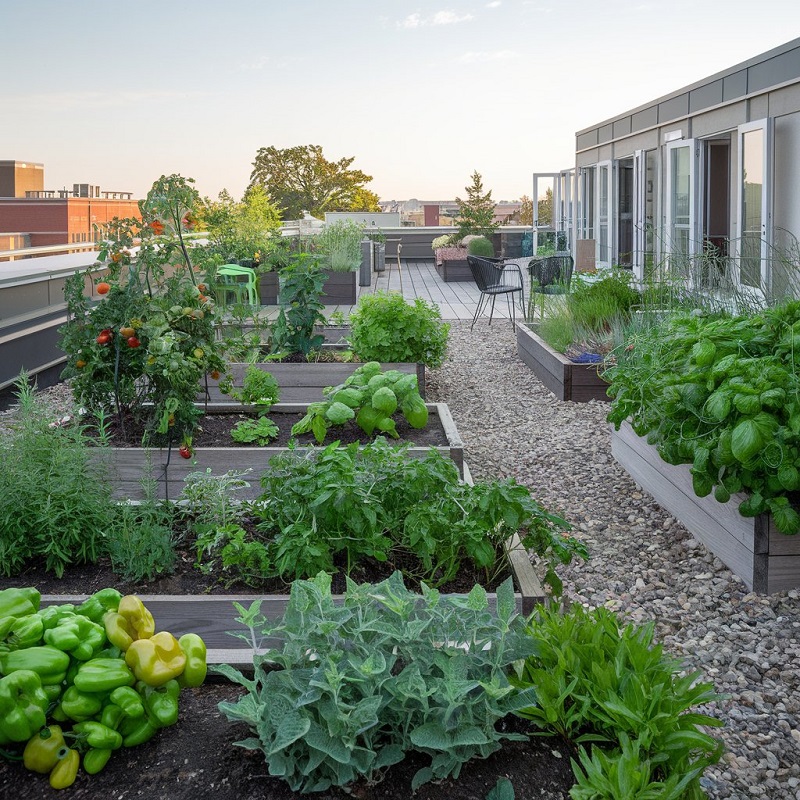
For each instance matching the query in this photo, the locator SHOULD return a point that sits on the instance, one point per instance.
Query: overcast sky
(421, 94)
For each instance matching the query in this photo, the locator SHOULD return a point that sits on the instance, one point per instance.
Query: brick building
(39, 217)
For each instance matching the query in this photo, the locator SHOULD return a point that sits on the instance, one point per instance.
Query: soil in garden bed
(214, 430)
(196, 759)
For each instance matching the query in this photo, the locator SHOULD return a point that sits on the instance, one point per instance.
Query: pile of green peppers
(79, 682)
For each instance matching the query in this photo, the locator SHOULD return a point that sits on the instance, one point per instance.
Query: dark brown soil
(214, 430)
(196, 759)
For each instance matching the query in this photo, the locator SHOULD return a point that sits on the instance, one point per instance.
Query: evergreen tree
(476, 213)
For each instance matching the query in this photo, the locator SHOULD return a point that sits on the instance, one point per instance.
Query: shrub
(594, 305)
(387, 328)
(386, 673)
(447, 240)
(480, 246)
(340, 242)
(598, 682)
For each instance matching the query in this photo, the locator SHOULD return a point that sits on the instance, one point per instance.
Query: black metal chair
(493, 277)
(550, 275)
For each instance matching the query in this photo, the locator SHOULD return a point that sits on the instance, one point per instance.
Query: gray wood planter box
(765, 559)
(212, 616)
(340, 288)
(303, 383)
(565, 379)
(452, 270)
(125, 466)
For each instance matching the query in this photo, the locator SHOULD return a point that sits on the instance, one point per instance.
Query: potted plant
(706, 418)
(339, 245)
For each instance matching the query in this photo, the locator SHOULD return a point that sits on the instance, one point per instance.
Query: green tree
(301, 179)
(545, 208)
(476, 213)
(526, 210)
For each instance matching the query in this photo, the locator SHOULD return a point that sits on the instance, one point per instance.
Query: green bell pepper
(129, 700)
(194, 648)
(49, 663)
(95, 760)
(136, 731)
(80, 706)
(53, 691)
(19, 602)
(112, 715)
(160, 703)
(103, 675)
(98, 735)
(156, 660)
(98, 604)
(41, 753)
(76, 635)
(21, 632)
(23, 706)
(52, 615)
(65, 771)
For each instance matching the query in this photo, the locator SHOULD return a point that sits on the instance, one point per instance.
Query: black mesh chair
(550, 275)
(493, 277)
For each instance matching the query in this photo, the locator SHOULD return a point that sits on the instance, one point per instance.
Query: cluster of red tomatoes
(127, 333)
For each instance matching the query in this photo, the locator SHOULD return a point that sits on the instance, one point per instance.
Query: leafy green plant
(259, 388)
(370, 397)
(345, 504)
(722, 394)
(55, 501)
(480, 246)
(300, 307)
(355, 687)
(502, 790)
(595, 304)
(340, 243)
(143, 349)
(598, 682)
(142, 545)
(447, 240)
(385, 327)
(259, 431)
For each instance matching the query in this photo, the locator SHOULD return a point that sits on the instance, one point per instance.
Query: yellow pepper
(129, 623)
(65, 771)
(41, 751)
(156, 660)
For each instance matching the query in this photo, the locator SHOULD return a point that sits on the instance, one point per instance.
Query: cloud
(494, 4)
(416, 20)
(482, 57)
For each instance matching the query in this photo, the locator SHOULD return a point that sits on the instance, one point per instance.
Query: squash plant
(722, 394)
(141, 351)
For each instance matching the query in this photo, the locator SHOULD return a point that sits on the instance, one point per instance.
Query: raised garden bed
(452, 266)
(765, 559)
(339, 289)
(564, 378)
(304, 382)
(127, 465)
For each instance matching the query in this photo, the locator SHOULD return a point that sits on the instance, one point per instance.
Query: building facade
(707, 175)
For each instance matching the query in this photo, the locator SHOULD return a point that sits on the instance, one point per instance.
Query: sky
(420, 94)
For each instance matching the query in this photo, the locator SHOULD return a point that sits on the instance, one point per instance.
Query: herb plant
(387, 328)
(340, 243)
(355, 687)
(722, 394)
(343, 505)
(55, 504)
(598, 682)
(371, 398)
(259, 431)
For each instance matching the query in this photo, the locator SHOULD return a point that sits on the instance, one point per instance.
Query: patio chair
(492, 277)
(549, 275)
(238, 281)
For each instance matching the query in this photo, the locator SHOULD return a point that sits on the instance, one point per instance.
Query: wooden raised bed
(765, 559)
(126, 465)
(339, 290)
(452, 270)
(303, 383)
(565, 379)
(212, 616)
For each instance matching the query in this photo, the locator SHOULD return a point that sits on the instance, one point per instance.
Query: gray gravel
(642, 562)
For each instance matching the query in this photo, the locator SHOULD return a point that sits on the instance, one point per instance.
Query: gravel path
(642, 562)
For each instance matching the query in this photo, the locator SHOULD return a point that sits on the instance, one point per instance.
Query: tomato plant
(147, 343)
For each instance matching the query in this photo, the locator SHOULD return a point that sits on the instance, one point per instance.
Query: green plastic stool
(238, 281)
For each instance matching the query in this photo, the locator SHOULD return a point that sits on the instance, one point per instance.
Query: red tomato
(185, 451)
(133, 341)
(103, 338)
(103, 287)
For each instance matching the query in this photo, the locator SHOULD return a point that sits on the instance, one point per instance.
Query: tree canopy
(299, 179)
